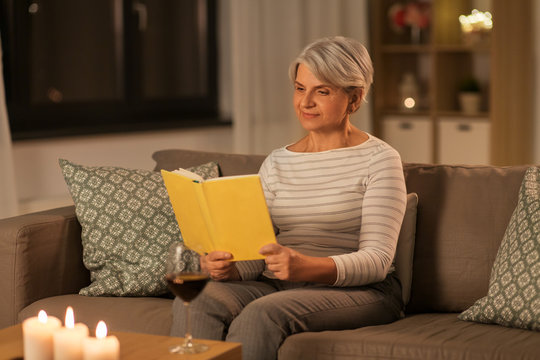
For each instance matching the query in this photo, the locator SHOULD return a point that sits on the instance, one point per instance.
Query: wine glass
(185, 279)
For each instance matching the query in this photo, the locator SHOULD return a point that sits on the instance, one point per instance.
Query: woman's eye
(324, 92)
(298, 88)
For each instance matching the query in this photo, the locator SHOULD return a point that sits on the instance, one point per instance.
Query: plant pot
(469, 102)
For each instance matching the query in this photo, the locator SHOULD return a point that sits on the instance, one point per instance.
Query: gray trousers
(261, 314)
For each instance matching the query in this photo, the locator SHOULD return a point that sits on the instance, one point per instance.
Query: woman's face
(320, 107)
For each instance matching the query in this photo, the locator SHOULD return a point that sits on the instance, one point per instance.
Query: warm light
(33, 8)
(42, 316)
(101, 330)
(409, 103)
(70, 318)
(102, 346)
(476, 21)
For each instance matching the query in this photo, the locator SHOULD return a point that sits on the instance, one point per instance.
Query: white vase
(408, 92)
(469, 102)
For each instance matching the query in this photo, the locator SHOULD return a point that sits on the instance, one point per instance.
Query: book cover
(226, 213)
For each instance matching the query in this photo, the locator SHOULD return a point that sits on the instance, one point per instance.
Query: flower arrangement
(414, 14)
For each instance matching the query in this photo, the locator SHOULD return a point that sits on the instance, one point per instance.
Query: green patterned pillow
(127, 226)
(513, 298)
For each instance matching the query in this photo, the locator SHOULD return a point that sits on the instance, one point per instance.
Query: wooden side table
(133, 346)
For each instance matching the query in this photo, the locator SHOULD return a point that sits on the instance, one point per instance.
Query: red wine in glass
(186, 285)
(185, 279)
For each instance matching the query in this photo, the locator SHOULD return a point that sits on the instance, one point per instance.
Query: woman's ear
(355, 99)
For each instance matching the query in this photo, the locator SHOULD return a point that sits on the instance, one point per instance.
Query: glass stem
(188, 338)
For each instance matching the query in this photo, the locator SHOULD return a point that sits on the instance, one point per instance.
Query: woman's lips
(309, 115)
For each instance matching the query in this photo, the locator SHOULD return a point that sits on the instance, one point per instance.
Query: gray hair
(337, 61)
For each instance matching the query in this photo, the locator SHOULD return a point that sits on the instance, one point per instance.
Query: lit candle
(38, 336)
(102, 347)
(68, 340)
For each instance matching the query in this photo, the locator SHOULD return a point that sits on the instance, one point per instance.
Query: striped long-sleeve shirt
(346, 203)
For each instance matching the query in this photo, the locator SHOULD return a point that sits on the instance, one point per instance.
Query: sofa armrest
(40, 256)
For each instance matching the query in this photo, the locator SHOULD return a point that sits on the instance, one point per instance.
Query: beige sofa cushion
(462, 215)
(419, 337)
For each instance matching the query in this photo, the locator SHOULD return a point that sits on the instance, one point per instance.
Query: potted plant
(469, 96)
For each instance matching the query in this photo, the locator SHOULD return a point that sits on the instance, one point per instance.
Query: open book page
(229, 214)
(188, 174)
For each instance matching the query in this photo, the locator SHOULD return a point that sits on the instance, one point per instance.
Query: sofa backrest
(229, 164)
(462, 215)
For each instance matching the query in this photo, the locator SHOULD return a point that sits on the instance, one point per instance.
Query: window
(76, 66)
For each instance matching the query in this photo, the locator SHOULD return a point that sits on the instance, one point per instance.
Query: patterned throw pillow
(513, 298)
(127, 226)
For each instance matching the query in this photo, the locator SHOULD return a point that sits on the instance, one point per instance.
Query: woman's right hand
(219, 266)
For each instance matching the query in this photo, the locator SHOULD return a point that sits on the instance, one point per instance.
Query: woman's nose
(307, 100)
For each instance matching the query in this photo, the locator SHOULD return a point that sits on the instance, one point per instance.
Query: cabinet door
(412, 137)
(464, 141)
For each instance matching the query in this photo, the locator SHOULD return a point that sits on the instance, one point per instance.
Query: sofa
(461, 218)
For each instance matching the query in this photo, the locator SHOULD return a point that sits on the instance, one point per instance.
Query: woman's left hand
(285, 263)
(288, 264)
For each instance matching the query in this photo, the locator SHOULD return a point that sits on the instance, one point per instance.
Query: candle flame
(70, 318)
(101, 330)
(42, 316)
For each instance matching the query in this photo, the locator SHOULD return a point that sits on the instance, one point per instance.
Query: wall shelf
(440, 60)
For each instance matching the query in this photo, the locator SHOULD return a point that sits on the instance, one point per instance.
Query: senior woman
(337, 199)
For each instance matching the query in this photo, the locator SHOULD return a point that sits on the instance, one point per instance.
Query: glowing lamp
(409, 103)
(476, 21)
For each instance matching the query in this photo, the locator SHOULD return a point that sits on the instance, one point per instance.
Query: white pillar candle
(38, 336)
(68, 340)
(102, 347)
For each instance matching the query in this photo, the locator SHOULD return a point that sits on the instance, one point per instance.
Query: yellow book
(227, 213)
